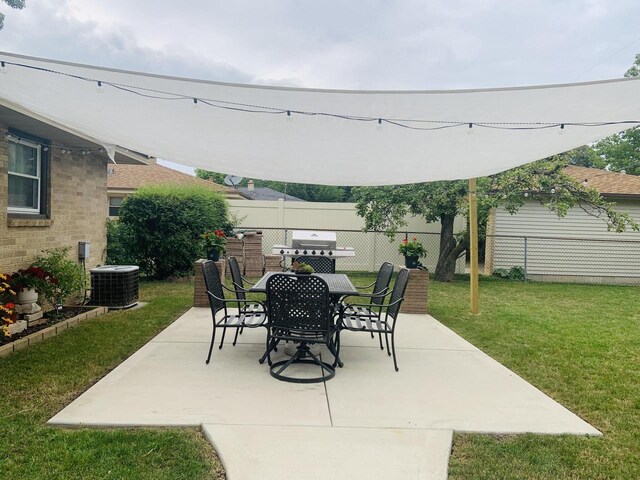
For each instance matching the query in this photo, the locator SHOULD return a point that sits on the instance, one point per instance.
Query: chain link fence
(556, 259)
(562, 259)
(372, 248)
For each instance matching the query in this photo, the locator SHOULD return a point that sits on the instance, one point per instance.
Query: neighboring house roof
(266, 193)
(607, 183)
(132, 177)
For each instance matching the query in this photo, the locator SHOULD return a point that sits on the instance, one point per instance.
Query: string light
(553, 190)
(195, 103)
(412, 124)
(289, 117)
(100, 88)
(379, 124)
(585, 184)
(3, 67)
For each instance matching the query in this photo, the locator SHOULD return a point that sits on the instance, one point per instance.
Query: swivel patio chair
(376, 297)
(384, 325)
(319, 264)
(300, 311)
(215, 291)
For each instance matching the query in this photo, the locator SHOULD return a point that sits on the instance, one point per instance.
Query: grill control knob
(305, 252)
(281, 252)
(296, 252)
(321, 252)
(330, 252)
(313, 252)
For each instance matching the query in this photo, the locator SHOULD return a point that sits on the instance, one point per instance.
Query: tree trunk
(446, 266)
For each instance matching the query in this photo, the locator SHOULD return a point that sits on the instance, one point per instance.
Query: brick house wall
(78, 204)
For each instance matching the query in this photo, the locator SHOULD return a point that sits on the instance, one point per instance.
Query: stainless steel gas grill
(306, 243)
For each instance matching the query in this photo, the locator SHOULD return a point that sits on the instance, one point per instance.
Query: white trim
(38, 177)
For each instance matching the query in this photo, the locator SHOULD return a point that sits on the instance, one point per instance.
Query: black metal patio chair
(244, 306)
(376, 298)
(319, 264)
(218, 303)
(384, 325)
(300, 311)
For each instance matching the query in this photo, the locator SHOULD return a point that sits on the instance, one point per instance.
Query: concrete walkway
(367, 422)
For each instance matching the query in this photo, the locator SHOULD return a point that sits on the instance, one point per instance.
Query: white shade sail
(331, 137)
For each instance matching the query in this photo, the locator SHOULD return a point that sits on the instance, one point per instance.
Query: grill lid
(309, 239)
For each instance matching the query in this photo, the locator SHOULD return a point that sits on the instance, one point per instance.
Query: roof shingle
(607, 183)
(132, 177)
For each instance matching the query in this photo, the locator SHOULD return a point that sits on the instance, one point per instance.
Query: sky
(350, 44)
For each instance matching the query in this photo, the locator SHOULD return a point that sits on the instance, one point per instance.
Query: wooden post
(473, 243)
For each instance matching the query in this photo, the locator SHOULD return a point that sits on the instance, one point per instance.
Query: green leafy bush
(515, 273)
(118, 238)
(68, 276)
(163, 224)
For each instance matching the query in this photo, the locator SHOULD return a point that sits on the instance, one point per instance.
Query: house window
(25, 177)
(114, 206)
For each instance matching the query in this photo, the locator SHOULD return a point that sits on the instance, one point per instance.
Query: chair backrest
(212, 284)
(298, 303)
(319, 264)
(382, 282)
(398, 293)
(236, 278)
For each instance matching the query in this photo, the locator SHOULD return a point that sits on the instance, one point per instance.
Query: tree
(385, 208)
(308, 192)
(17, 4)
(621, 152)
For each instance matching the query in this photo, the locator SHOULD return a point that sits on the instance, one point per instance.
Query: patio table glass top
(338, 283)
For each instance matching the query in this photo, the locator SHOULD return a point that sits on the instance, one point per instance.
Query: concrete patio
(369, 421)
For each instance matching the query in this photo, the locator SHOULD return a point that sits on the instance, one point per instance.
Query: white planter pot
(27, 296)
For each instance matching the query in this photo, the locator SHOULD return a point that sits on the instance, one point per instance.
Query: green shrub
(515, 273)
(163, 224)
(69, 276)
(118, 238)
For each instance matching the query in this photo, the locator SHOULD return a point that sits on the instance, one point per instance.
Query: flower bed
(69, 317)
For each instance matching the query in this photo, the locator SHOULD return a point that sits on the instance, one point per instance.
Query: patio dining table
(338, 283)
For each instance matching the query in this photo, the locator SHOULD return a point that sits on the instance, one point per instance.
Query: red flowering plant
(413, 248)
(214, 240)
(7, 305)
(32, 277)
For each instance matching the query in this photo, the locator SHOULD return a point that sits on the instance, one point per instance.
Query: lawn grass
(38, 382)
(580, 344)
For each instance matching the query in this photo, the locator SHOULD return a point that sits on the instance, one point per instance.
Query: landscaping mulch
(64, 314)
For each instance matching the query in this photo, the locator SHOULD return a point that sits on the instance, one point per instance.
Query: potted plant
(301, 268)
(412, 250)
(214, 243)
(28, 282)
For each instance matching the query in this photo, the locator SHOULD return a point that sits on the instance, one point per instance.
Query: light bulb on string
(195, 104)
(3, 67)
(561, 129)
(470, 129)
(379, 127)
(526, 194)
(289, 117)
(553, 190)
(100, 88)
(585, 183)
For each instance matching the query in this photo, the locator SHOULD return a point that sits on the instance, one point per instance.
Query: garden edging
(51, 331)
